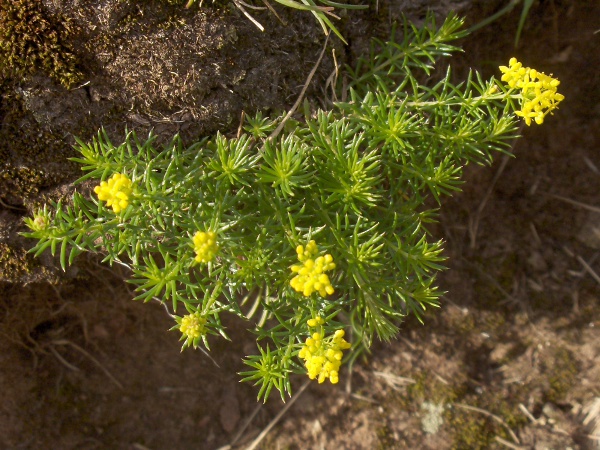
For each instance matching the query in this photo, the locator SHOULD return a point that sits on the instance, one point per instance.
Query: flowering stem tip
(539, 94)
(115, 192)
(205, 246)
(323, 354)
(192, 328)
(310, 274)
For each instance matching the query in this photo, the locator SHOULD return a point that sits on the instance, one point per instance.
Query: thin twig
(588, 269)
(273, 11)
(250, 18)
(493, 416)
(301, 96)
(527, 413)
(247, 5)
(396, 382)
(348, 387)
(245, 425)
(63, 360)
(592, 412)
(91, 358)
(508, 444)
(273, 422)
(139, 446)
(536, 236)
(241, 127)
(474, 224)
(121, 263)
(442, 379)
(169, 389)
(492, 280)
(576, 203)
(18, 208)
(332, 79)
(591, 165)
(408, 343)
(508, 8)
(362, 398)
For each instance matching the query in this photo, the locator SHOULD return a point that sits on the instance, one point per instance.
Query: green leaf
(524, 12)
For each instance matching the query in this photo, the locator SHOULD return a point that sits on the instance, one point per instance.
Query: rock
(590, 231)
(537, 262)
(500, 352)
(229, 414)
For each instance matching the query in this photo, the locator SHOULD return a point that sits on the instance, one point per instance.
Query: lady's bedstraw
(323, 355)
(538, 91)
(115, 192)
(325, 222)
(311, 277)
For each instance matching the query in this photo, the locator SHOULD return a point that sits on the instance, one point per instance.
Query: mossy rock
(471, 430)
(14, 262)
(31, 156)
(30, 41)
(561, 371)
(428, 388)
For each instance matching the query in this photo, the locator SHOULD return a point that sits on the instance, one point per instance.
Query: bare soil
(510, 360)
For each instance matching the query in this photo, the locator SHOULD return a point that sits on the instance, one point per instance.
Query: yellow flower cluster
(116, 192)
(192, 326)
(323, 355)
(538, 91)
(205, 245)
(311, 277)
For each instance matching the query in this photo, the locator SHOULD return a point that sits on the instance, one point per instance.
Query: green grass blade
(524, 12)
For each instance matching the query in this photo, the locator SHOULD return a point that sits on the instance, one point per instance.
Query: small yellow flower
(192, 327)
(514, 74)
(205, 245)
(538, 91)
(309, 252)
(310, 275)
(116, 192)
(323, 355)
(315, 322)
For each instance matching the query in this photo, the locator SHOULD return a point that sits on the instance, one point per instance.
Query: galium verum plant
(316, 235)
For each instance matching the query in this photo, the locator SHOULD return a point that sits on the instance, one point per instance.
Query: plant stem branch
(301, 96)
